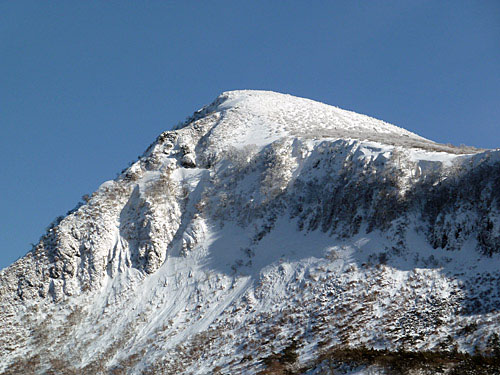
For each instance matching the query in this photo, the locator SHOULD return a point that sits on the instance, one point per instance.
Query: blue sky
(86, 86)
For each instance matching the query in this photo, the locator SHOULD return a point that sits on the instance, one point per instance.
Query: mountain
(269, 234)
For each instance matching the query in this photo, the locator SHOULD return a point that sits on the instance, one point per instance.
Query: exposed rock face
(264, 220)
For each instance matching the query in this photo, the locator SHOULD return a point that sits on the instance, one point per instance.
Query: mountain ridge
(283, 115)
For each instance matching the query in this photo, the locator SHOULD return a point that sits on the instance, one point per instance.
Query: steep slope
(265, 223)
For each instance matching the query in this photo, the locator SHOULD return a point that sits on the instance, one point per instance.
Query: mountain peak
(257, 117)
(269, 115)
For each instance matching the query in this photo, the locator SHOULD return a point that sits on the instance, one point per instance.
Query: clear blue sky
(86, 86)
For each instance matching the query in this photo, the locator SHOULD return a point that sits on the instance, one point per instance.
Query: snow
(216, 248)
(261, 117)
(444, 158)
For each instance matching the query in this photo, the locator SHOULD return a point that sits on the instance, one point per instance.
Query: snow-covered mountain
(268, 234)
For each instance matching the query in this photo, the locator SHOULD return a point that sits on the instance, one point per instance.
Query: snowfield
(268, 234)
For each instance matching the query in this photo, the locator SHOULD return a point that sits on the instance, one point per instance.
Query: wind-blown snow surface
(264, 219)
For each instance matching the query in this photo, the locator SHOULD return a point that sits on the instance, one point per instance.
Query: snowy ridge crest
(261, 117)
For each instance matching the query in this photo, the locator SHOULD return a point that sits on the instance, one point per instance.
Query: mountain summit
(261, 117)
(268, 234)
